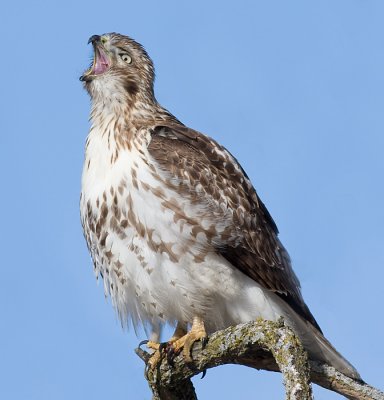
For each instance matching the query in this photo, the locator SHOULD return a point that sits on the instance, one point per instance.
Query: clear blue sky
(295, 89)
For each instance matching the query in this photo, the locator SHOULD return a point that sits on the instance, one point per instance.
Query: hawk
(173, 224)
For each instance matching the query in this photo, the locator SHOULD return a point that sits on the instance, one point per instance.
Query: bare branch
(266, 345)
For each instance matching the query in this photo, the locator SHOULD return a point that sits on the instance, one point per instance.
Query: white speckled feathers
(149, 257)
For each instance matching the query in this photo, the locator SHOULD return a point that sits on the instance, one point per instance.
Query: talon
(163, 346)
(187, 349)
(153, 345)
(180, 341)
(204, 373)
(155, 360)
(154, 357)
(143, 342)
(186, 342)
(146, 370)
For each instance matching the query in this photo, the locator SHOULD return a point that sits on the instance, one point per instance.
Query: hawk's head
(121, 69)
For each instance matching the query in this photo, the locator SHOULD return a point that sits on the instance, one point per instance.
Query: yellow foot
(156, 356)
(180, 341)
(186, 342)
(155, 359)
(153, 345)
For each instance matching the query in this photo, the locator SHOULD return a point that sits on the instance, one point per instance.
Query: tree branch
(266, 345)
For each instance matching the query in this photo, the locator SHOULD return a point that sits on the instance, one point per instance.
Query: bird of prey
(173, 224)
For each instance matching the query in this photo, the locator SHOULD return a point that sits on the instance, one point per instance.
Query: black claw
(163, 346)
(204, 342)
(143, 342)
(146, 371)
(170, 351)
(204, 373)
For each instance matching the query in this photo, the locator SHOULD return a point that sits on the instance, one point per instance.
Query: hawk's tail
(320, 349)
(317, 346)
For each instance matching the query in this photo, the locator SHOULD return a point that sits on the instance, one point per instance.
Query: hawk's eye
(125, 57)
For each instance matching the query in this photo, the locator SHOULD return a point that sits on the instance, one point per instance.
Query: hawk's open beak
(101, 62)
(94, 38)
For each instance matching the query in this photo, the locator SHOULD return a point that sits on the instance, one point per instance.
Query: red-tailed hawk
(173, 223)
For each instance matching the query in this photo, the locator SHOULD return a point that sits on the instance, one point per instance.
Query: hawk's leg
(180, 331)
(160, 348)
(186, 342)
(153, 342)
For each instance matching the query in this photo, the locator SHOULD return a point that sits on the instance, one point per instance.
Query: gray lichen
(261, 344)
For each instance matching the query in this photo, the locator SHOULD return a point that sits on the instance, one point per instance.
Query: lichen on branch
(261, 344)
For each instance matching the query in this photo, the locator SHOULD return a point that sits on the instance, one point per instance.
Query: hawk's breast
(150, 245)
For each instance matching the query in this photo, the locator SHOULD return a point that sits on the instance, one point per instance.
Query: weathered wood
(266, 345)
(236, 345)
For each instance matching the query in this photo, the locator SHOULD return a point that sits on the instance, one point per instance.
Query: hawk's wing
(249, 241)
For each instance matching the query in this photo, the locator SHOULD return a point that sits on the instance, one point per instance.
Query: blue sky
(294, 89)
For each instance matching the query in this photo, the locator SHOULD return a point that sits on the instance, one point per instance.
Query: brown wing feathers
(250, 243)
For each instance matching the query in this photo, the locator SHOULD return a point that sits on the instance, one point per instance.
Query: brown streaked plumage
(172, 221)
(250, 243)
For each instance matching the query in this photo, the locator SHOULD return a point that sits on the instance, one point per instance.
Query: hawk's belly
(154, 251)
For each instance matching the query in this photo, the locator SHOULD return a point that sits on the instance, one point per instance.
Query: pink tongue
(101, 63)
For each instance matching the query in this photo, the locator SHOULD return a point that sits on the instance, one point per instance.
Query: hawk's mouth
(99, 66)
(100, 62)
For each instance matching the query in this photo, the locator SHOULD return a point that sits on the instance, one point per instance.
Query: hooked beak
(101, 62)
